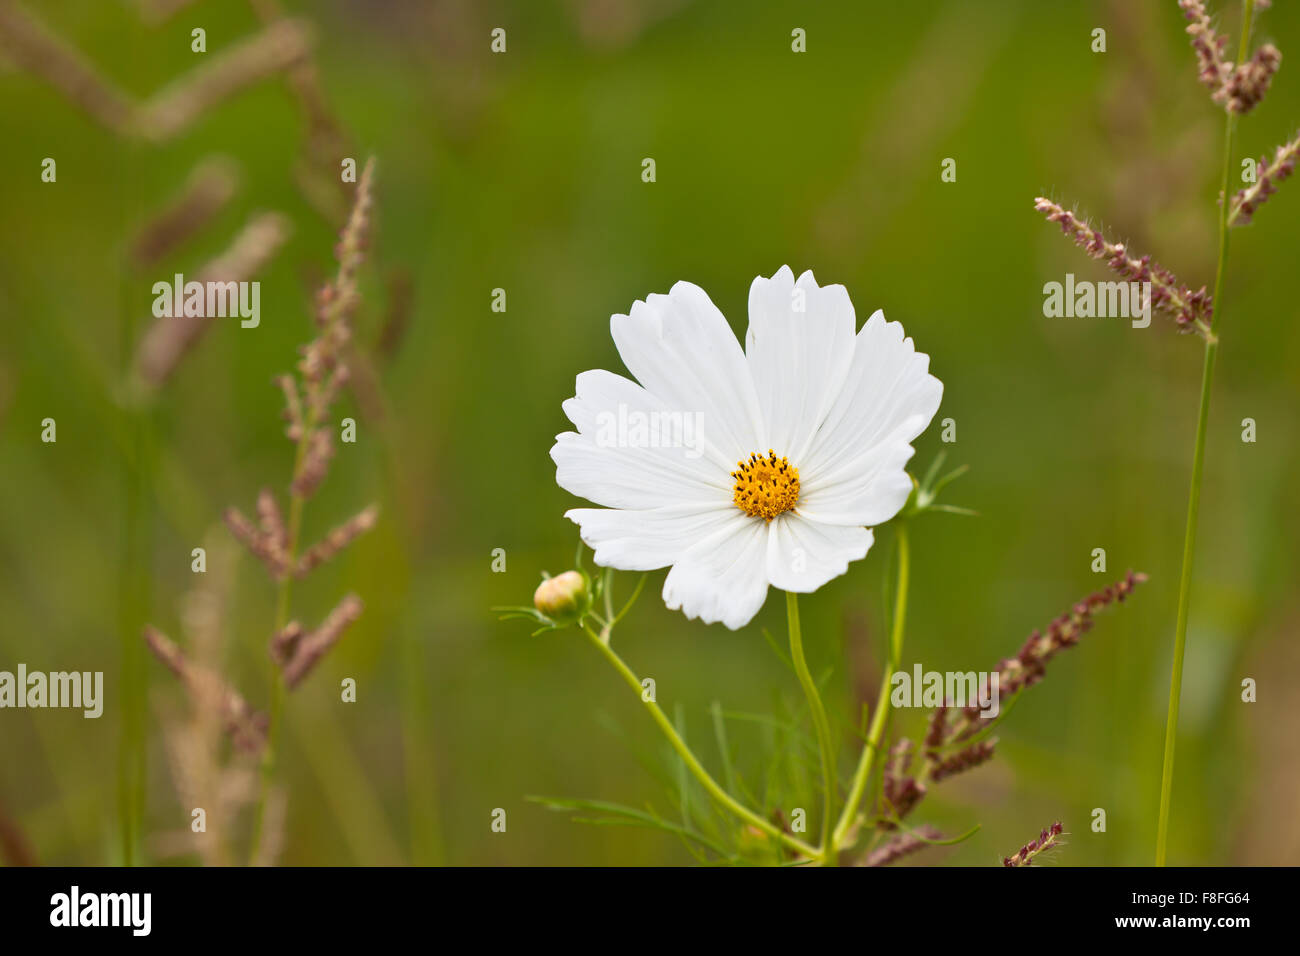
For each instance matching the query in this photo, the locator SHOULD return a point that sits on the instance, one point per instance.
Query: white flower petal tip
(741, 469)
(802, 555)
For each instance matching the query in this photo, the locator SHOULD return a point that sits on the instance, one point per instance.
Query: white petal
(854, 471)
(618, 478)
(802, 555)
(646, 540)
(799, 347)
(611, 463)
(722, 577)
(681, 349)
(869, 490)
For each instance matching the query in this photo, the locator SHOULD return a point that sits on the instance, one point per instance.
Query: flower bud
(563, 598)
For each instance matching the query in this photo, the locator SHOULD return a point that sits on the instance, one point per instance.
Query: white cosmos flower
(801, 442)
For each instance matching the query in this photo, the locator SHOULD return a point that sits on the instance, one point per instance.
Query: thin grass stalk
(133, 590)
(133, 569)
(1198, 467)
(880, 716)
(314, 409)
(277, 690)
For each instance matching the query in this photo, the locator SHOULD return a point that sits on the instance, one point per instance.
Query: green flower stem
(1189, 539)
(692, 764)
(276, 707)
(820, 723)
(1184, 600)
(881, 715)
(1198, 467)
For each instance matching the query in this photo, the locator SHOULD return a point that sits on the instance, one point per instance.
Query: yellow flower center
(766, 486)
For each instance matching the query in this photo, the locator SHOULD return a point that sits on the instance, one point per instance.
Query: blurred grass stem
(880, 717)
(1198, 464)
(133, 569)
(267, 772)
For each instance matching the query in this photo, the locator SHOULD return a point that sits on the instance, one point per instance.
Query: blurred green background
(522, 171)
